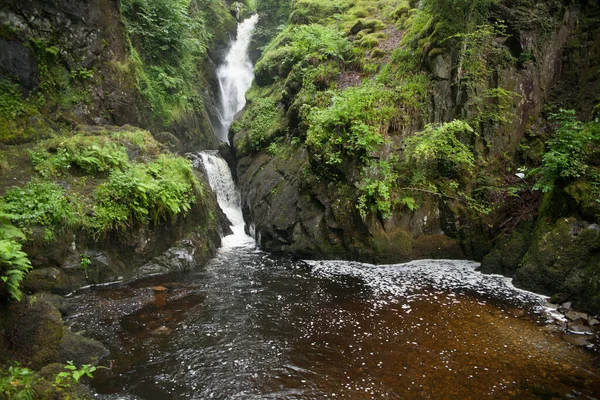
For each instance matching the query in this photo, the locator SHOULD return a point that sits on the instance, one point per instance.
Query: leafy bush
(17, 383)
(354, 125)
(145, 193)
(569, 150)
(438, 147)
(376, 190)
(39, 204)
(438, 163)
(14, 266)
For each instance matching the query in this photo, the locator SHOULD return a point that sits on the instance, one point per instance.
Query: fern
(14, 266)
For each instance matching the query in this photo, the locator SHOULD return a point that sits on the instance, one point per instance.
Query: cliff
(426, 131)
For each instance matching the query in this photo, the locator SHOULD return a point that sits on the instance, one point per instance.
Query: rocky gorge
(379, 133)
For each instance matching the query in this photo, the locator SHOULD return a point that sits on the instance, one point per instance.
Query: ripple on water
(254, 326)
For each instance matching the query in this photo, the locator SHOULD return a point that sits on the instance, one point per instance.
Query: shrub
(437, 147)
(145, 193)
(354, 125)
(567, 157)
(312, 44)
(39, 204)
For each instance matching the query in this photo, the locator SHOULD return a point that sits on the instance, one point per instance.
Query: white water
(221, 182)
(235, 76)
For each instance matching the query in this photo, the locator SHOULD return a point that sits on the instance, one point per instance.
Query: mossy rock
(34, 332)
(508, 251)
(80, 349)
(564, 257)
(392, 247)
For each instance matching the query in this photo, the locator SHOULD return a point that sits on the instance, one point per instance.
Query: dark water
(254, 326)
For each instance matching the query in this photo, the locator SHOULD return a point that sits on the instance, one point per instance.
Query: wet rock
(163, 331)
(576, 340)
(53, 280)
(561, 323)
(552, 328)
(81, 350)
(441, 66)
(180, 257)
(593, 321)
(34, 331)
(57, 301)
(576, 316)
(17, 60)
(579, 328)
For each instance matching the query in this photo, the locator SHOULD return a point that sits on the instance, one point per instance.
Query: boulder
(80, 349)
(34, 332)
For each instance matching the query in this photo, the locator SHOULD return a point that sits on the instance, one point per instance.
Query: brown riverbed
(253, 326)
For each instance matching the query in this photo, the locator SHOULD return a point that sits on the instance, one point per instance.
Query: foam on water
(402, 280)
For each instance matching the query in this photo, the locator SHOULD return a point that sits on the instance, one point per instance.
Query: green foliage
(11, 102)
(354, 125)
(90, 154)
(14, 266)
(260, 122)
(39, 204)
(72, 375)
(437, 148)
(145, 193)
(438, 163)
(85, 263)
(377, 188)
(305, 44)
(16, 383)
(569, 151)
(160, 26)
(169, 39)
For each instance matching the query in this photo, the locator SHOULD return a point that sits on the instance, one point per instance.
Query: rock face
(177, 245)
(309, 215)
(89, 37)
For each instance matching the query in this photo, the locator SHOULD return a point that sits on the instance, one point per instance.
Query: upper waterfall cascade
(235, 76)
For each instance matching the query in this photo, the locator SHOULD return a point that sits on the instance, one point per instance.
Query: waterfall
(235, 77)
(221, 182)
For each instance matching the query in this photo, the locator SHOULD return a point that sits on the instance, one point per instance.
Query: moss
(508, 251)
(35, 332)
(368, 41)
(564, 257)
(436, 247)
(314, 11)
(392, 247)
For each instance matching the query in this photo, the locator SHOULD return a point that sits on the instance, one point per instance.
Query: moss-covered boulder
(34, 332)
(564, 257)
(80, 349)
(505, 257)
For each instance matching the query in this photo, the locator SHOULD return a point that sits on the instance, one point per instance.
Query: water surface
(250, 325)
